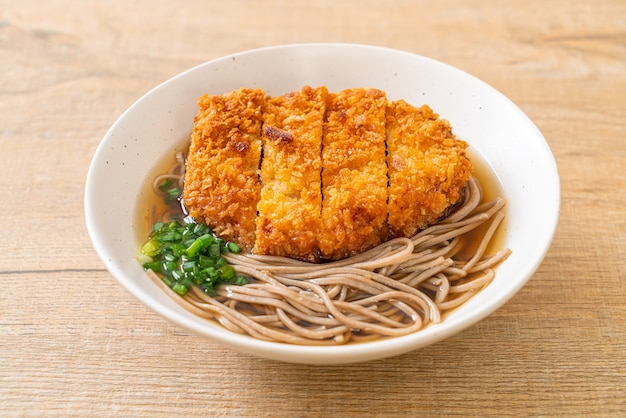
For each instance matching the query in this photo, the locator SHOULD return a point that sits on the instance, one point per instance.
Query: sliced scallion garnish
(185, 253)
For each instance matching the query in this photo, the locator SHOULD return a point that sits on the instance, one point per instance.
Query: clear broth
(492, 189)
(150, 202)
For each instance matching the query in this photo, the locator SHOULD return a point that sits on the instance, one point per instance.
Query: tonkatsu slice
(222, 185)
(427, 167)
(289, 210)
(354, 174)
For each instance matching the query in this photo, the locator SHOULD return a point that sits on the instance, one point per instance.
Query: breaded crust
(222, 186)
(318, 176)
(354, 175)
(427, 167)
(291, 200)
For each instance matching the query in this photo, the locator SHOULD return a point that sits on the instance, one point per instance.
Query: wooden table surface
(73, 342)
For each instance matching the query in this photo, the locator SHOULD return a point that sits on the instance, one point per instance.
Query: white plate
(493, 126)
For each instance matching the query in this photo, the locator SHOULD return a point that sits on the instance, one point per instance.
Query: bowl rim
(340, 354)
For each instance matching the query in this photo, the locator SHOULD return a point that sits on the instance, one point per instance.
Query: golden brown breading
(340, 173)
(354, 175)
(427, 167)
(289, 210)
(221, 183)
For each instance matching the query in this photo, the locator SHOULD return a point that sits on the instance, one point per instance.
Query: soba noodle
(394, 289)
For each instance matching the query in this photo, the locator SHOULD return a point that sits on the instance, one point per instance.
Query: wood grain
(74, 343)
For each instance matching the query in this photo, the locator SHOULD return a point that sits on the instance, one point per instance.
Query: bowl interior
(494, 127)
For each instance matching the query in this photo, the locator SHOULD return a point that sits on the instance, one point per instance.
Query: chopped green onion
(215, 250)
(170, 190)
(150, 248)
(180, 289)
(233, 247)
(240, 280)
(227, 272)
(184, 253)
(166, 184)
(220, 262)
(172, 194)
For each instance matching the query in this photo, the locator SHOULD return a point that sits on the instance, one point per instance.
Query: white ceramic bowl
(493, 126)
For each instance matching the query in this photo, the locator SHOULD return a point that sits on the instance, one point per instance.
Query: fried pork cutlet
(317, 176)
(221, 183)
(291, 201)
(354, 174)
(427, 167)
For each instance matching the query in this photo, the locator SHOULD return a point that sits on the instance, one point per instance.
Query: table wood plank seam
(51, 271)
